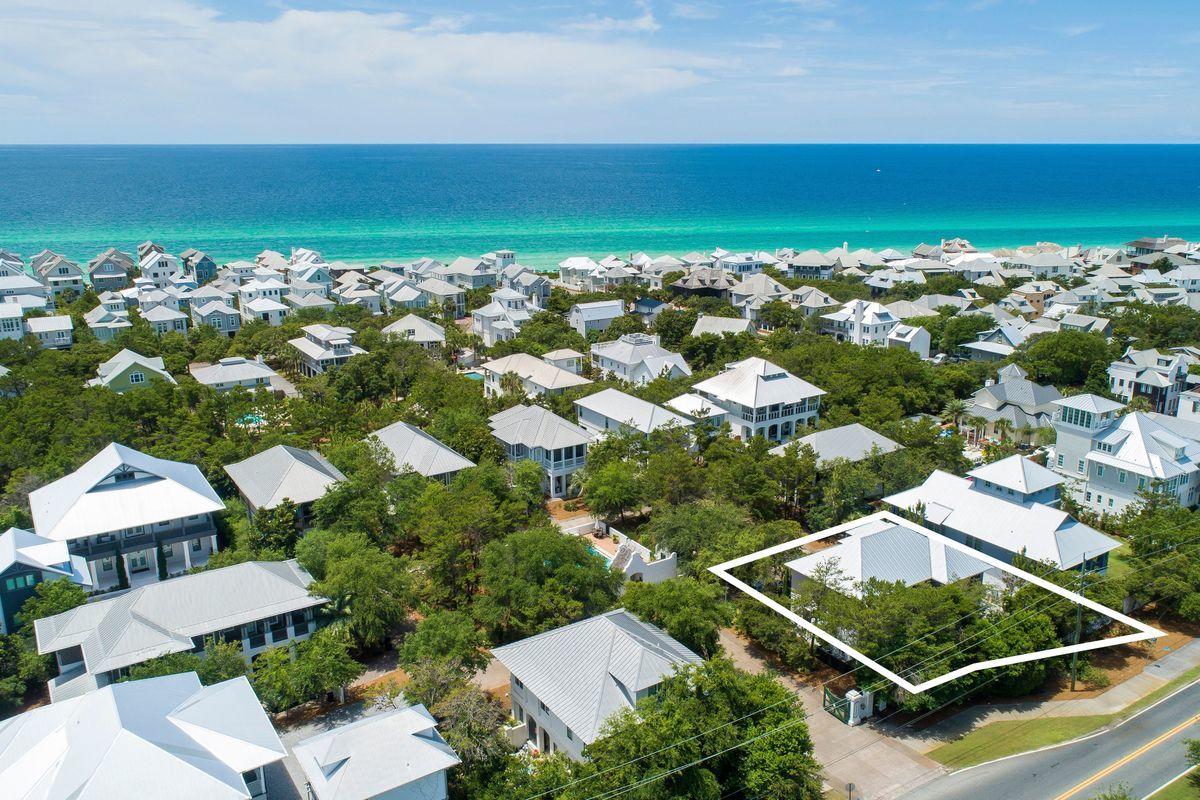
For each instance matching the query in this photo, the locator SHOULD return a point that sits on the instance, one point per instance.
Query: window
(1099, 470)
(106, 564)
(137, 377)
(1089, 497)
(20, 582)
(1110, 502)
(1060, 459)
(1141, 482)
(1121, 475)
(517, 681)
(195, 545)
(543, 707)
(570, 736)
(1080, 466)
(168, 550)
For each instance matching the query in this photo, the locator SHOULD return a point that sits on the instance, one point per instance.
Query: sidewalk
(1113, 701)
(877, 765)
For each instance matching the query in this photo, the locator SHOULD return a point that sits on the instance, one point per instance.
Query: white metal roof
(413, 448)
(721, 325)
(417, 329)
(374, 756)
(162, 617)
(756, 382)
(587, 671)
(142, 740)
(695, 406)
(231, 370)
(1017, 473)
(534, 370)
(19, 546)
(1040, 531)
(266, 479)
(853, 442)
(116, 365)
(633, 411)
(99, 498)
(534, 426)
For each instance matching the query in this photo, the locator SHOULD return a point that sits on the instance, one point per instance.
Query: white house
(566, 683)
(1158, 377)
(597, 316)
(110, 270)
(142, 740)
(637, 358)
(412, 448)
(853, 442)
(256, 604)
(1107, 459)
(755, 291)
(762, 399)
(54, 333)
(1005, 508)
(126, 506)
(26, 560)
(469, 273)
(719, 326)
(502, 318)
(418, 330)
(537, 376)
(443, 296)
(324, 347)
(531, 433)
(267, 309)
(611, 410)
(394, 755)
(109, 318)
(279, 473)
(59, 274)
(860, 322)
(1025, 405)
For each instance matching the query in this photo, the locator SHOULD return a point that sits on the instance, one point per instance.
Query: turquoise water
(363, 203)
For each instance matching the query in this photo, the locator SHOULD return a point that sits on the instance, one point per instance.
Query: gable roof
(633, 411)
(231, 369)
(720, 326)
(374, 755)
(534, 370)
(587, 671)
(81, 504)
(413, 448)
(26, 548)
(116, 366)
(162, 617)
(266, 479)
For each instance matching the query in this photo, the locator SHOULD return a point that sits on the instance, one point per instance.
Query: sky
(348, 71)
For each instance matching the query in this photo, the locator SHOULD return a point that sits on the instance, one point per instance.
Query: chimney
(858, 316)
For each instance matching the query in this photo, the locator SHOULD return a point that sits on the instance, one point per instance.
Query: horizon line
(612, 144)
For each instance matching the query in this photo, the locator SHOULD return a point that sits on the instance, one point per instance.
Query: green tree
(50, 598)
(370, 589)
(20, 669)
(693, 613)
(538, 579)
(470, 720)
(275, 528)
(222, 661)
(612, 489)
(1063, 358)
(446, 635)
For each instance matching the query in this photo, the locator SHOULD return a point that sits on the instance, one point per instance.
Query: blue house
(26, 560)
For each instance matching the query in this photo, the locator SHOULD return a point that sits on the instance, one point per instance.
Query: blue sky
(77, 71)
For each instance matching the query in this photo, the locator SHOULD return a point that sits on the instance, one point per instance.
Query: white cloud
(643, 23)
(790, 72)
(1079, 30)
(1157, 72)
(694, 11)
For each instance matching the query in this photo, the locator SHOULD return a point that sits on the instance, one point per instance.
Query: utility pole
(1078, 622)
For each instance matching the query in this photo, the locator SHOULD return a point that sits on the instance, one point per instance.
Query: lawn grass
(1012, 736)
(1118, 562)
(1009, 737)
(1184, 788)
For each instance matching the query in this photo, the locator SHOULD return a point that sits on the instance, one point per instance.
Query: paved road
(1143, 753)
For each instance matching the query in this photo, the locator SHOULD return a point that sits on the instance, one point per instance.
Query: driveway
(878, 766)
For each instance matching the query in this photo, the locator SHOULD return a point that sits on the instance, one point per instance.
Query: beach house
(638, 359)
(1107, 458)
(1157, 377)
(255, 604)
(135, 518)
(502, 318)
(26, 560)
(109, 271)
(57, 273)
(411, 448)
(1006, 508)
(267, 479)
(418, 330)
(587, 317)
(198, 264)
(53, 333)
(759, 398)
(535, 375)
(611, 410)
(232, 372)
(566, 683)
(129, 370)
(324, 347)
(143, 739)
(531, 433)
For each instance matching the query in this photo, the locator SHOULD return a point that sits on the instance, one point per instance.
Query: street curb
(1103, 730)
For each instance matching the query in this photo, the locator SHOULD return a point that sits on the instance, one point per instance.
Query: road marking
(1168, 783)
(1113, 767)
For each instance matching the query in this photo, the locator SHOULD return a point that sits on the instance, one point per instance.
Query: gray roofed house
(217, 314)
(256, 603)
(397, 754)
(612, 410)
(852, 442)
(1025, 405)
(142, 740)
(266, 479)
(412, 448)
(638, 358)
(228, 373)
(532, 433)
(565, 683)
(597, 316)
(763, 399)
(878, 548)
(129, 370)
(412, 328)
(537, 375)
(720, 326)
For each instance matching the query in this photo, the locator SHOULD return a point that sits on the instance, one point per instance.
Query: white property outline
(722, 572)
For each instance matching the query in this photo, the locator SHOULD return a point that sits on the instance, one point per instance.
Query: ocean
(362, 203)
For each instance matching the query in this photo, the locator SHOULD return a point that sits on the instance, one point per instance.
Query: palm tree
(978, 425)
(1003, 428)
(510, 383)
(953, 411)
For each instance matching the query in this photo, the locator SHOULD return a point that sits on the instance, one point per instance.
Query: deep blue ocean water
(360, 203)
